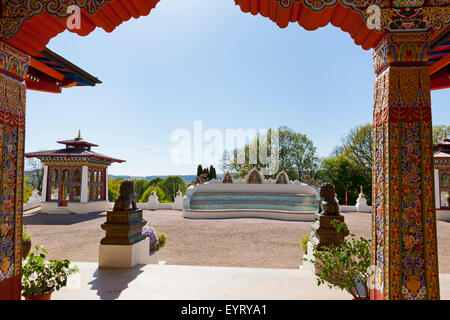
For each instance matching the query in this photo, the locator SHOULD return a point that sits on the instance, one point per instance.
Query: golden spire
(445, 135)
(79, 134)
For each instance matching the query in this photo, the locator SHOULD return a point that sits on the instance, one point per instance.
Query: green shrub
(304, 242)
(26, 236)
(40, 276)
(159, 192)
(162, 237)
(346, 265)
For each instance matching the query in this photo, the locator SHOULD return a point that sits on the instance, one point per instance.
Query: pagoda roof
(72, 152)
(440, 154)
(442, 148)
(74, 148)
(78, 142)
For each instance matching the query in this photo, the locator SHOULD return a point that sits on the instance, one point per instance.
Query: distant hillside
(186, 178)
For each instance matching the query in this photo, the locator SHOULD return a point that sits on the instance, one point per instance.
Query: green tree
(114, 188)
(159, 192)
(155, 181)
(345, 174)
(357, 147)
(296, 156)
(438, 132)
(140, 186)
(199, 170)
(170, 187)
(212, 172)
(27, 188)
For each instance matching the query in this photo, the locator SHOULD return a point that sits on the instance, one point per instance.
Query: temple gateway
(75, 178)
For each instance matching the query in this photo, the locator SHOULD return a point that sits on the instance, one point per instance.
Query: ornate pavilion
(75, 178)
(442, 177)
(410, 41)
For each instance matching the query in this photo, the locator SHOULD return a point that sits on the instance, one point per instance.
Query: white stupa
(361, 203)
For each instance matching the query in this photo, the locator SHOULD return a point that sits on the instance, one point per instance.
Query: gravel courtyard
(260, 243)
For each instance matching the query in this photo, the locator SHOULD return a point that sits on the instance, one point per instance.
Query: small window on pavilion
(54, 176)
(66, 175)
(99, 176)
(89, 175)
(99, 195)
(76, 175)
(54, 192)
(445, 181)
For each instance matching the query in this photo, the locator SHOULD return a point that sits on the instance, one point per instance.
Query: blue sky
(186, 62)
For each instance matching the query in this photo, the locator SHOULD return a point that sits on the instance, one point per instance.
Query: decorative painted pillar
(13, 69)
(404, 217)
(84, 184)
(44, 183)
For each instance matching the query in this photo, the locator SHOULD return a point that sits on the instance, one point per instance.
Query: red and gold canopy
(28, 25)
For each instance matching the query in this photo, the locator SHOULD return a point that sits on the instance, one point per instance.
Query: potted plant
(26, 242)
(40, 278)
(347, 266)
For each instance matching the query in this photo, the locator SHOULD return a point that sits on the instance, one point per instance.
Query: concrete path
(171, 282)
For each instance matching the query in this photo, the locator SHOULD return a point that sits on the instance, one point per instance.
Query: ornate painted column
(13, 69)
(404, 218)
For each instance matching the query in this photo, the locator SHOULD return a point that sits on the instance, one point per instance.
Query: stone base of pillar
(124, 256)
(310, 264)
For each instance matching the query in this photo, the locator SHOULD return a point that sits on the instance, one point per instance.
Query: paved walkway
(170, 282)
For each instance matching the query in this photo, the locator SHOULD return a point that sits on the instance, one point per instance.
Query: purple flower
(151, 234)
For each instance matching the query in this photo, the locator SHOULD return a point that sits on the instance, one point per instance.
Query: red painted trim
(10, 289)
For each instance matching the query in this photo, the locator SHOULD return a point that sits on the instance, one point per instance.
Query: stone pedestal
(124, 245)
(123, 227)
(124, 256)
(324, 234)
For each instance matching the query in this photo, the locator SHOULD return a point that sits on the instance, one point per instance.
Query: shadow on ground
(60, 219)
(109, 283)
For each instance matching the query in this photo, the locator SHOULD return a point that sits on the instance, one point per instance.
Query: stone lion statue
(127, 197)
(328, 205)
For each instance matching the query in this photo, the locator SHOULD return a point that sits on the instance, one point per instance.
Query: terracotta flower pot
(26, 247)
(43, 296)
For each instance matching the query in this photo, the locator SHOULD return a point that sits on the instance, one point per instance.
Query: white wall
(44, 184)
(84, 184)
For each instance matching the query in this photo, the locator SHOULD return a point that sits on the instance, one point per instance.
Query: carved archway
(254, 177)
(227, 178)
(282, 178)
